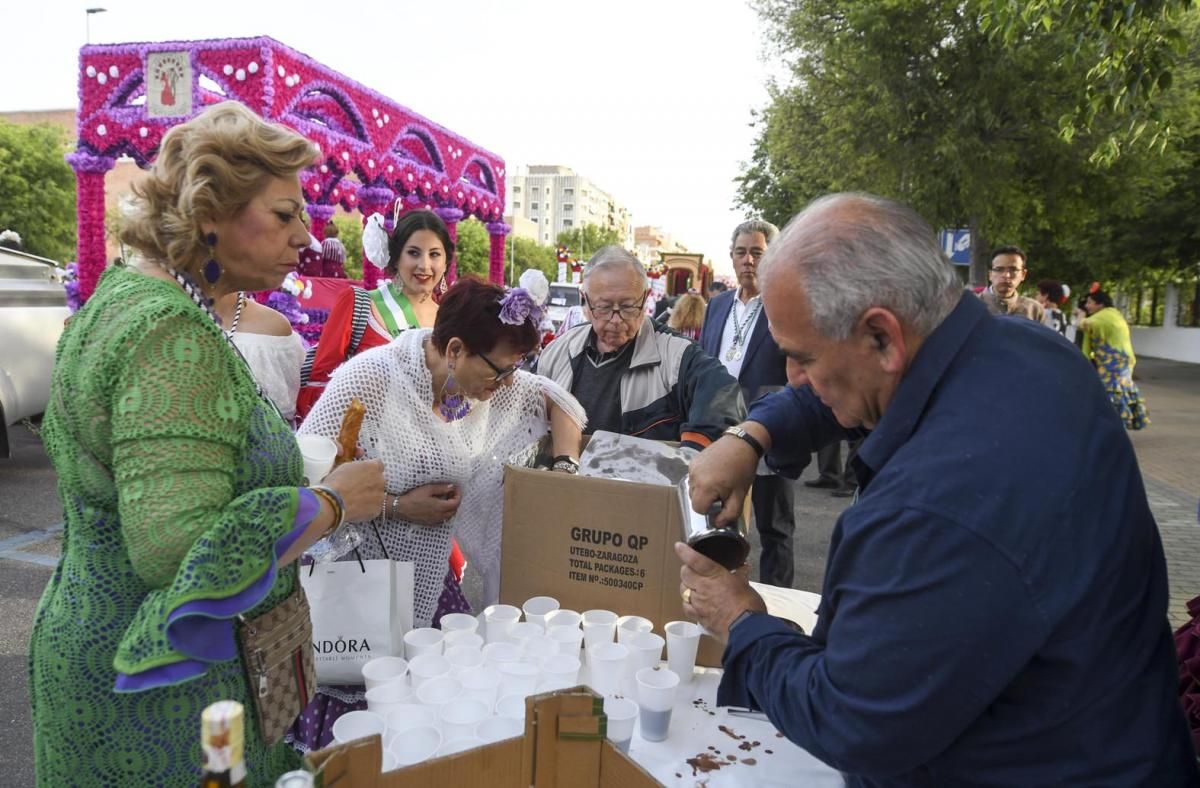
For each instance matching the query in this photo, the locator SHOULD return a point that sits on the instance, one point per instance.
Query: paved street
(1169, 454)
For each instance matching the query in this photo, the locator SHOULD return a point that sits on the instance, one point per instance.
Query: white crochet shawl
(418, 448)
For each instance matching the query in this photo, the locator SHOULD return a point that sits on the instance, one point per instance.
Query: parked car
(33, 308)
(563, 296)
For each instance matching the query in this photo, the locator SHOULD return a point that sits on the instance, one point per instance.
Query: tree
(350, 234)
(527, 253)
(37, 189)
(472, 248)
(586, 239)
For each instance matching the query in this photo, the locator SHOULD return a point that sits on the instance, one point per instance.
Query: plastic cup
(622, 713)
(537, 608)
(511, 706)
(385, 698)
(463, 658)
(645, 651)
(562, 667)
(461, 637)
(521, 631)
(459, 745)
(631, 625)
(518, 678)
(408, 716)
(357, 725)
(569, 639)
(384, 670)
(459, 622)
(440, 691)
(416, 745)
(539, 648)
(606, 661)
(496, 729)
(683, 638)
(319, 453)
(496, 654)
(426, 667)
(482, 684)
(598, 627)
(656, 698)
(497, 621)
(389, 761)
(563, 618)
(459, 719)
(425, 640)
(554, 685)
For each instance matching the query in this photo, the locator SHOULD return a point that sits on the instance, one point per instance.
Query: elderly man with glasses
(1008, 271)
(632, 376)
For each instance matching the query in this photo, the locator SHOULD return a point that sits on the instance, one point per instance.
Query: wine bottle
(222, 744)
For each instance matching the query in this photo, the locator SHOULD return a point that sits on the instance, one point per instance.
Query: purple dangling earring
(453, 406)
(212, 269)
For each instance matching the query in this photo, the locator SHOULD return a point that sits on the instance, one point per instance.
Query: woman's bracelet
(331, 497)
(565, 463)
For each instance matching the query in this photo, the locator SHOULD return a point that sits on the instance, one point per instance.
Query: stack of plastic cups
(498, 619)
(599, 626)
(683, 639)
(645, 651)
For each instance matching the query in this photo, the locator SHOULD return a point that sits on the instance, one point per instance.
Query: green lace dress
(179, 488)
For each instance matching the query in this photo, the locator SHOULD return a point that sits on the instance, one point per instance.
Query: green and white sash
(394, 308)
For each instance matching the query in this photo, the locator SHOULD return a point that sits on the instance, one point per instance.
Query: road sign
(956, 244)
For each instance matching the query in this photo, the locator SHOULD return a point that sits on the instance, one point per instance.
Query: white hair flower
(375, 241)
(534, 282)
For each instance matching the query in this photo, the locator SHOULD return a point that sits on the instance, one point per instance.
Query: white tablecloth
(693, 730)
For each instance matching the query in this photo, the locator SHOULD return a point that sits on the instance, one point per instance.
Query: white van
(563, 296)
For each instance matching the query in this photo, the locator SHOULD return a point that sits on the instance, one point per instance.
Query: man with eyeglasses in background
(633, 376)
(1008, 271)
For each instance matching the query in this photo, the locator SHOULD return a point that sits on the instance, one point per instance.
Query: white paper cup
(440, 691)
(496, 654)
(511, 706)
(569, 639)
(539, 648)
(482, 684)
(537, 608)
(598, 627)
(459, 622)
(459, 719)
(426, 667)
(384, 670)
(425, 640)
(357, 725)
(521, 631)
(461, 637)
(498, 619)
(518, 678)
(606, 663)
(622, 713)
(656, 698)
(319, 453)
(496, 729)
(386, 698)
(459, 745)
(562, 667)
(409, 716)
(563, 618)
(416, 745)
(463, 658)
(683, 638)
(631, 625)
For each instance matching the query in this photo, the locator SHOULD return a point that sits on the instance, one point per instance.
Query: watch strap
(738, 432)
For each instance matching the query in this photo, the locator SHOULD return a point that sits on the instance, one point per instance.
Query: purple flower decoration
(517, 306)
(71, 285)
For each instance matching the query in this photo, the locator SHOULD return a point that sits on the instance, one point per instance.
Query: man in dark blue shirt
(991, 614)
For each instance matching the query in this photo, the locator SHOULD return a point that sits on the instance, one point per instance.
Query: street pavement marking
(10, 548)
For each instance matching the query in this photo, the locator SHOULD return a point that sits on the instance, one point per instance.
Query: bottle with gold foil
(222, 744)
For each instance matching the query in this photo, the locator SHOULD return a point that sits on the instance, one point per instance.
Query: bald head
(850, 251)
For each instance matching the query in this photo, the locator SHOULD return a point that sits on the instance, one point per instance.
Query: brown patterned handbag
(278, 659)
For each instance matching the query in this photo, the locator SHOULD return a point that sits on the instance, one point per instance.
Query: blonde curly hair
(688, 313)
(207, 169)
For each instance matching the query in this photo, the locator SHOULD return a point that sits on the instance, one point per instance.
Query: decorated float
(374, 150)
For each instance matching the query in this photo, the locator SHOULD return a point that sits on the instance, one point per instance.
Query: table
(696, 725)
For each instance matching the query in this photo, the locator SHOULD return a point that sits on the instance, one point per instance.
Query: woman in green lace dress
(179, 482)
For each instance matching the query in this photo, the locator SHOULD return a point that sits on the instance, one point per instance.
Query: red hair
(470, 310)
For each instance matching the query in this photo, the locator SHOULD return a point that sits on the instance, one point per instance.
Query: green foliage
(37, 189)
(584, 240)
(350, 234)
(526, 253)
(472, 248)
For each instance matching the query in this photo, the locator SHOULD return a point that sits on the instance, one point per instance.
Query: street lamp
(89, 13)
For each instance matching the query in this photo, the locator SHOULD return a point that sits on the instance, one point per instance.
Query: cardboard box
(564, 745)
(594, 543)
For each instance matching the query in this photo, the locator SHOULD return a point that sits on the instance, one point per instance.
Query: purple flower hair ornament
(526, 301)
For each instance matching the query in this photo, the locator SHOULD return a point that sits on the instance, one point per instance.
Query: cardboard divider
(564, 745)
(594, 543)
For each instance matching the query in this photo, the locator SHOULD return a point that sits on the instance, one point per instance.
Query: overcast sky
(651, 99)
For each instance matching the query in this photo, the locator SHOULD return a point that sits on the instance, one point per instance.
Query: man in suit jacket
(735, 332)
